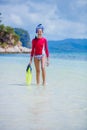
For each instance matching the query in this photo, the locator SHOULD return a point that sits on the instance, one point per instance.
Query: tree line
(10, 36)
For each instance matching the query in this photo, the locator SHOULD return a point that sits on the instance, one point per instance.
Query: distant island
(17, 40)
(14, 40)
(68, 45)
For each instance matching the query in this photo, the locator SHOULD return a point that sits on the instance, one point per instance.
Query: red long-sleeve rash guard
(38, 44)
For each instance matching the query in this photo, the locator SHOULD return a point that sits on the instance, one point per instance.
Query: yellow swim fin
(28, 74)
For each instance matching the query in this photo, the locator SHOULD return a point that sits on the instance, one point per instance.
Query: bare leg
(43, 70)
(37, 67)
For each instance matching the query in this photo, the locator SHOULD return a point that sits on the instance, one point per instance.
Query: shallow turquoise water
(61, 105)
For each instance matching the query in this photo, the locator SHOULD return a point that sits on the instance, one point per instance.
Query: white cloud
(61, 29)
(81, 3)
(16, 19)
(31, 13)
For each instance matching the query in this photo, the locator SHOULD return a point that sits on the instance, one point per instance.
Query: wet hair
(35, 37)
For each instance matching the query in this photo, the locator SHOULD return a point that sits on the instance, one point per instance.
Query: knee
(38, 71)
(43, 68)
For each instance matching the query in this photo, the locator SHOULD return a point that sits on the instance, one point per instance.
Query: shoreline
(14, 50)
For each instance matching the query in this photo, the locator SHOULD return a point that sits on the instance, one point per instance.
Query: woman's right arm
(32, 52)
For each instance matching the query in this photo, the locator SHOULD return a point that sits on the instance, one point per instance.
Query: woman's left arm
(47, 51)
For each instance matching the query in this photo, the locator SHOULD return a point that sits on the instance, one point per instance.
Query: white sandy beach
(61, 105)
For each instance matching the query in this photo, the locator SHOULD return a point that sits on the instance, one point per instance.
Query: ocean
(60, 105)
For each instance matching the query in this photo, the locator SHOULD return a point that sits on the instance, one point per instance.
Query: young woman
(40, 53)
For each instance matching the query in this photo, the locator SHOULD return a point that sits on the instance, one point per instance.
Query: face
(39, 32)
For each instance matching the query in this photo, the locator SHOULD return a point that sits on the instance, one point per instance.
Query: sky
(62, 19)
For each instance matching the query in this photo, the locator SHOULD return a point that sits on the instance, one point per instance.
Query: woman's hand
(30, 62)
(47, 62)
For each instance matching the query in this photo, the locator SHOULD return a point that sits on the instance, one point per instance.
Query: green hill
(7, 36)
(12, 36)
(68, 45)
(24, 37)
